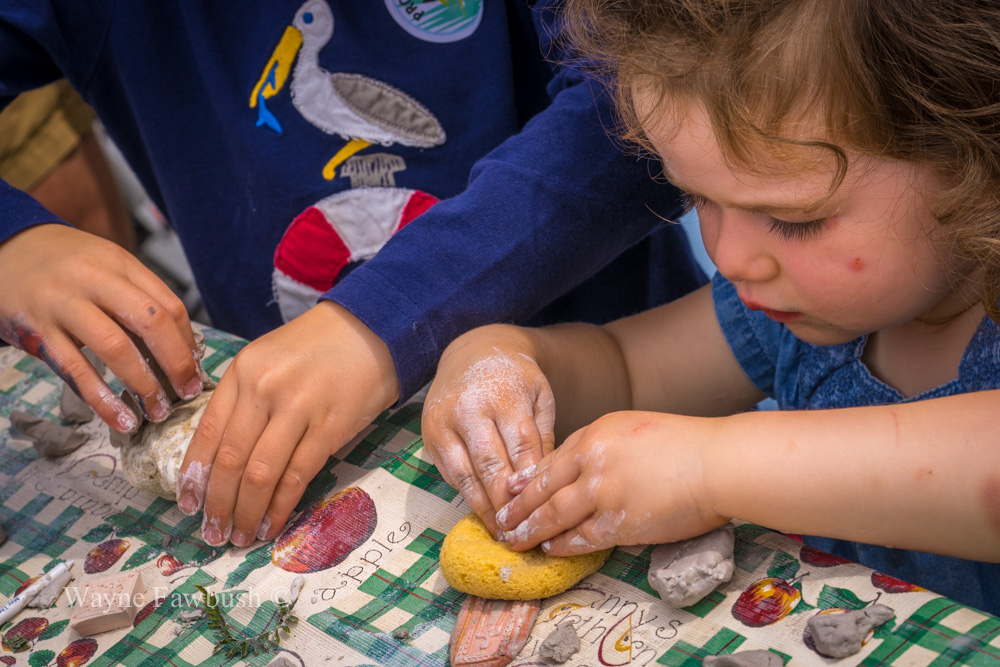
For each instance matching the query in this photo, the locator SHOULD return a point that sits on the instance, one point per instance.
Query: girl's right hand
(489, 413)
(63, 289)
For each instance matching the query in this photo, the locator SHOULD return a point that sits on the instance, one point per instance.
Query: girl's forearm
(922, 476)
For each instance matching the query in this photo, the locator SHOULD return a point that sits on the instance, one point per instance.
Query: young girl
(844, 159)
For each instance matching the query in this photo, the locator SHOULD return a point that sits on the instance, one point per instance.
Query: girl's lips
(780, 316)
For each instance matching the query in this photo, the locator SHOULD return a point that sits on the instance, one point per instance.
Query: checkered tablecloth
(354, 604)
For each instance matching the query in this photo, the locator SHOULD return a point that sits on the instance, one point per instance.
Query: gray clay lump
(560, 644)
(841, 635)
(48, 438)
(685, 572)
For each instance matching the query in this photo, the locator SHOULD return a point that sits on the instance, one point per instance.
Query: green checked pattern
(939, 633)
(426, 611)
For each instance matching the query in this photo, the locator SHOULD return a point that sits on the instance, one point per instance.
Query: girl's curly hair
(910, 80)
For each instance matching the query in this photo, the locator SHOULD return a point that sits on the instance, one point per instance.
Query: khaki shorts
(38, 130)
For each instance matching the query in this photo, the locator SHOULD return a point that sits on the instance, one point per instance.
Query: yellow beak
(276, 72)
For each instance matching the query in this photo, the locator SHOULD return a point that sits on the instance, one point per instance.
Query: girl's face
(871, 257)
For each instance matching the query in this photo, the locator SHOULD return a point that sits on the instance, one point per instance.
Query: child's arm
(919, 476)
(488, 412)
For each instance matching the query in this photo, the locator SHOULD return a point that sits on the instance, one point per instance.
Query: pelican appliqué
(361, 110)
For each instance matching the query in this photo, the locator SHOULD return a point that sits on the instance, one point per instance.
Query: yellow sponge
(474, 563)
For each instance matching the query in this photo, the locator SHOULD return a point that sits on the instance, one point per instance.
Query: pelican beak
(276, 72)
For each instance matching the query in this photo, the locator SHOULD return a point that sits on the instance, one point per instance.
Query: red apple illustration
(28, 629)
(148, 609)
(814, 556)
(766, 601)
(327, 532)
(78, 653)
(27, 583)
(105, 554)
(891, 584)
(168, 564)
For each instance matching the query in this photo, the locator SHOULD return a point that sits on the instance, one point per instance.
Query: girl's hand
(63, 289)
(489, 413)
(289, 400)
(627, 478)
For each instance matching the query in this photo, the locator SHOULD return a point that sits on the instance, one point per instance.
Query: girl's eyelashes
(692, 202)
(795, 231)
(792, 231)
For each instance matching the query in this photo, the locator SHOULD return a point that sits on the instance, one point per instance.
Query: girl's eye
(795, 231)
(791, 231)
(692, 201)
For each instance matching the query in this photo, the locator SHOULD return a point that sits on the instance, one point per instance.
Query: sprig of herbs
(268, 641)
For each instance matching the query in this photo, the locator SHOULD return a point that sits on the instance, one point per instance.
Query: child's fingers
(584, 538)
(488, 454)
(111, 343)
(192, 484)
(523, 443)
(455, 463)
(306, 461)
(549, 476)
(65, 358)
(240, 435)
(149, 310)
(564, 510)
(264, 470)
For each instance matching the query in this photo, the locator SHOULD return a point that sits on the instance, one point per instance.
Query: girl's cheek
(856, 265)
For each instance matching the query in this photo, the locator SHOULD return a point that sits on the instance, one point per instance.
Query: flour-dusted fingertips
(519, 480)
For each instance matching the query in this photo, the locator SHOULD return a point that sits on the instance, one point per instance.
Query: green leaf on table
(41, 658)
(53, 630)
(842, 598)
(98, 533)
(143, 554)
(783, 566)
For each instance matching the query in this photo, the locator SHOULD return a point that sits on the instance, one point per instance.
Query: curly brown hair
(910, 80)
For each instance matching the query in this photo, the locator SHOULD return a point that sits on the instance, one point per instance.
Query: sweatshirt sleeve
(542, 212)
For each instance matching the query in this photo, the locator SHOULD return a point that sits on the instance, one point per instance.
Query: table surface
(395, 509)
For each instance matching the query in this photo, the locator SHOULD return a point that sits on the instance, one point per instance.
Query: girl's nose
(738, 243)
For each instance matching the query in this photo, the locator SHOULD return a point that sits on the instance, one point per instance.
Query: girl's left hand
(627, 478)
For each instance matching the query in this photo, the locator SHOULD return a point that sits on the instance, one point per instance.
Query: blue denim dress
(802, 376)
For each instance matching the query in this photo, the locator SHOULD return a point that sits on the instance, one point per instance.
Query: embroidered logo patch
(437, 20)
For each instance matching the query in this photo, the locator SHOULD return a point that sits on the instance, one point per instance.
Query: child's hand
(627, 478)
(63, 289)
(288, 401)
(489, 413)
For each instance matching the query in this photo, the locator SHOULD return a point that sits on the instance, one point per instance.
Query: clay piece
(401, 634)
(490, 633)
(48, 595)
(744, 659)
(560, 644)
(282, 661)
(48, 438)
(841, 635)
(152, 455)
(73, 408)
(684, 572)
(108, 604)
